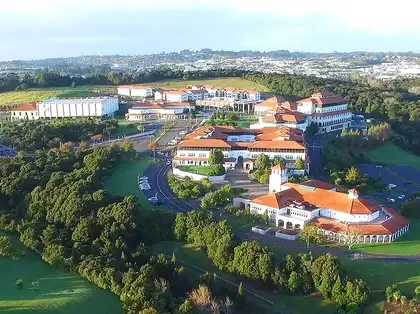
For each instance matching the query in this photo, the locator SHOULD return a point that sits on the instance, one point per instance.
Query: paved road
(180, 125)
(315, 145)
(157, 174)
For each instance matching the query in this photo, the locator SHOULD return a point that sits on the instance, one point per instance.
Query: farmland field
(12, 99)
(60, 292)
(234, 82)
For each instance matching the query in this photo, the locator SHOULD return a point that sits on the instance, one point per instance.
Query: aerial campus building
(338, 215)
(66, 108)
(241, 147)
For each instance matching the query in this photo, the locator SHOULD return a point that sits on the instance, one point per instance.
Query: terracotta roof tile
(332, 113)
(319, 184)
(26, 107)
(207, 143)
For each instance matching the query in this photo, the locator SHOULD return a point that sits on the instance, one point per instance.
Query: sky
(34, 29)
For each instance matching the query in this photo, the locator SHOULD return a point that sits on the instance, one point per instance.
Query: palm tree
(140, 127)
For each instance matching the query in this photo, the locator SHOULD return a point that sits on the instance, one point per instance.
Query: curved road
(157, 174)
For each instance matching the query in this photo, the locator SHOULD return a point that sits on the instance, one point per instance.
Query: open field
(15, 98)
(123, 182)
(60, 292)
(390, 153)
(234, 82)
(291, 304)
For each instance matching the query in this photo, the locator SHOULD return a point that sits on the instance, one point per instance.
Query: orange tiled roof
(276, 99)
(323, 93)
(332, 113)
(291, 105)
(319, 184)
(26, 107)
(208, 143)
(278, 167)
(276, 144)
(267, 104)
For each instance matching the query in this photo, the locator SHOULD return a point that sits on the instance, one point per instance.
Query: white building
(172, 95)
(330, 112)
(241, 147)
(78, 107)
(291, 206)
(135, 90)
(159, 110)
(282, 117)
(24, 112)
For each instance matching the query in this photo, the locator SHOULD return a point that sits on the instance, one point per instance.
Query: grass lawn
(243, 124)
(38, 94)
(390, 153)
(238, 222)
(234, 82)
(408, 244)
(60, 292)
(202, 170)
(126, 128)
(123, 182)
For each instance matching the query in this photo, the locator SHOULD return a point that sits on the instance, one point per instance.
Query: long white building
(135, 91)
(159, 110)
(67, 108)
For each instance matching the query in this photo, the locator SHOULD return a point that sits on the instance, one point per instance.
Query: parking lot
(404, 180)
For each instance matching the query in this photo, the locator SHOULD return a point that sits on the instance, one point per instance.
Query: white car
(401, 197)
(168, 162)
(143, 182)
(392, 186)
(172, 142)
(391, 200)
(378, 166)
(145, 186)
(182, 132)
(143, 178)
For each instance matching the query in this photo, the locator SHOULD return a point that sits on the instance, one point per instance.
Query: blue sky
(61, 28)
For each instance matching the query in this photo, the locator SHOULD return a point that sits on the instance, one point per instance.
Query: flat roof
(76, 100)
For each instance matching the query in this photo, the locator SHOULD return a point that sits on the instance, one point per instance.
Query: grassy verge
(390, 153)
(234, 82)
(60, 292)
(123, 182)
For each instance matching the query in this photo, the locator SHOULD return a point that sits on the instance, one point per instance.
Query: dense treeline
(391, 102)
(32, 135)
(12, 81)
(56, 202)
(293, 274)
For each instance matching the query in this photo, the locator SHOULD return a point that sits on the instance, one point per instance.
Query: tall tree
(216, 157)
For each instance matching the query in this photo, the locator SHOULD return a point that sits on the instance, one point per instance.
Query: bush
(186, 188)
(218, 170)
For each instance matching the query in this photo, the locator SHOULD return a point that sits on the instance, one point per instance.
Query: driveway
(239, 179)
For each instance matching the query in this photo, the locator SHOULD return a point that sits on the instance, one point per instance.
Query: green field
(123, 182)
(60, 292)
(234, 82)
(201, 170)
(390, 153)
(15, 98)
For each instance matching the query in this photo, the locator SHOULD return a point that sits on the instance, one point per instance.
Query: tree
(410, 209)
(417, 291)
(310, 234)
(19, 283)
(216, 157)
(352, 176)
(6, 248)
(403, 300)
(299, 164)
(338, 293)
(140, 127)
(262, 162)
(397, 296)
(389, 293)
(293, 282)
(351, 236)
(73, 84)
(279, 161)
(241, 290)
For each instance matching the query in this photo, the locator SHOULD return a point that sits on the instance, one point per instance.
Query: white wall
(123, 91)
(78, 108)
(325, 212)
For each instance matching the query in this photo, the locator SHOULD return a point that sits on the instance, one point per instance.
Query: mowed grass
(201, 170)
(408, 244)
(60, 292)
(390, 153)
(15, 98)
(222, 82)
(123, 182)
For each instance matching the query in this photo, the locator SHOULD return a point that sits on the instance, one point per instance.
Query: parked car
(401, 197)
(182, 132)
(391, 200)
(154, 200)
(168, 162)
(178, 138)
(391, 186)
(172, 142)
(145, 186)
(144, 178)
(378, 166)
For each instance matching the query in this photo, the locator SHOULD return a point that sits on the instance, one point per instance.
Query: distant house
(159, 110)
(25, 112)
(135, 90)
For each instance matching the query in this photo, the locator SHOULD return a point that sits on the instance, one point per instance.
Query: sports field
(123, 181)
(390, 153)
(234, 82)
(60, 292)
(11, 99)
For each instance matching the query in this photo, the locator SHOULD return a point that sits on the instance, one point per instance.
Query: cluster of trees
(220, 197)
(6, 247)
(263, 164)
(223, 118)
(56, 202)
(32, 135)
(354, 179)
(216, 161)
(410, 209)
(295, 274)
(295, 178)
(395, 298)
(186, 188)
(246, 213)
